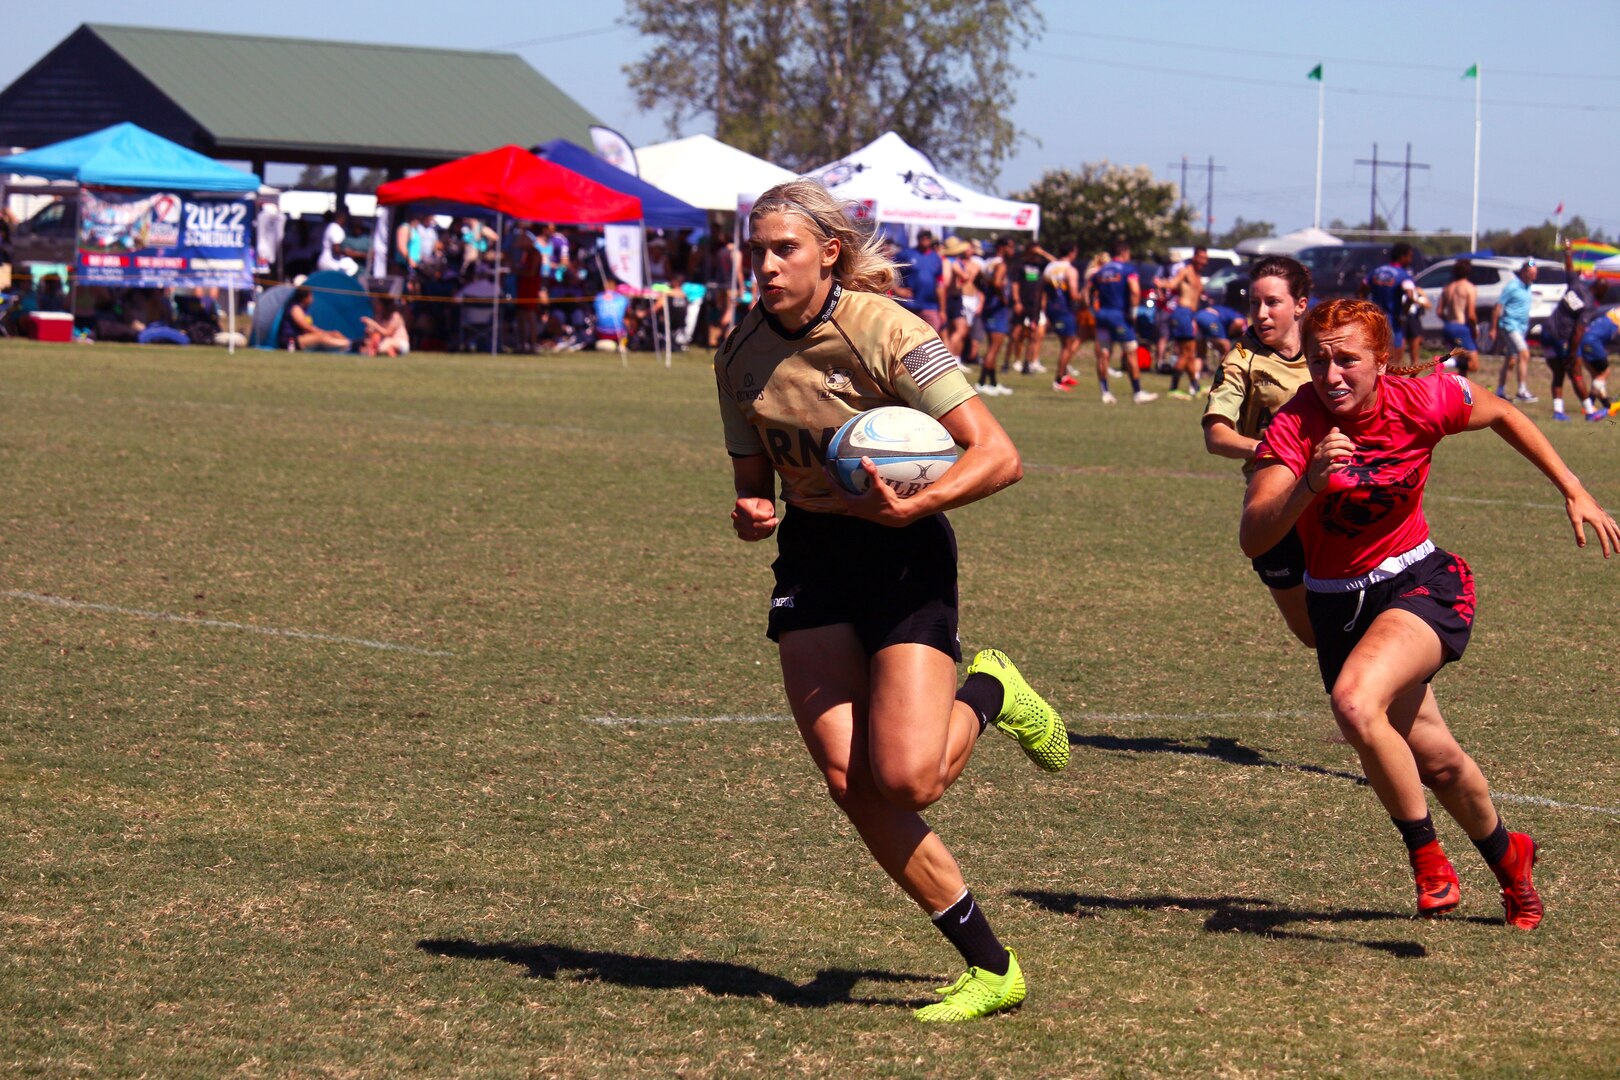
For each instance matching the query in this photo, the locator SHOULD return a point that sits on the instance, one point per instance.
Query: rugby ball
(910, 449)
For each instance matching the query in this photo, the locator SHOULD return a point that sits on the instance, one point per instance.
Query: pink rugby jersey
(1373, 509)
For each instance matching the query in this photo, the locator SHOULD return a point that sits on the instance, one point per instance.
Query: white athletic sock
(1558, 404)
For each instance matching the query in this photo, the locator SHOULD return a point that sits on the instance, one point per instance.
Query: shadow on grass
(1242, 915)
(833, 986)
(1209, 746)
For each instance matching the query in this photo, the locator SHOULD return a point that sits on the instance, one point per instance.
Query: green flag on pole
(1472, 72)
(1316, 73)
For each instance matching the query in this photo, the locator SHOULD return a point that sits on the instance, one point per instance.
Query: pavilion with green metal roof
(288, 100)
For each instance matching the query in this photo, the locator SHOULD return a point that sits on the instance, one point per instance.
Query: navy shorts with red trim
(1283, 567)
(894, 586)
(1439, 590)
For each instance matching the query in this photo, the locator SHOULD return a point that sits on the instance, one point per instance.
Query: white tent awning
(706, 172)
(902, 186)
(1289, 243)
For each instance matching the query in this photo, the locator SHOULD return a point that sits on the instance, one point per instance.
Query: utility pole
(1406, 196)
(1209, 171)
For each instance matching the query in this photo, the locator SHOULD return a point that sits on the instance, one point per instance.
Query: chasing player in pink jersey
(1347, 460)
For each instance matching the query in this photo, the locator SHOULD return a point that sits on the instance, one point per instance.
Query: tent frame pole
(73, 270)
(495, 304)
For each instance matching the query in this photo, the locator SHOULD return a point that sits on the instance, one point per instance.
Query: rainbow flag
(1588, 253)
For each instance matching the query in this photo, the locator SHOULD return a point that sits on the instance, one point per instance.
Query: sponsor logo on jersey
(796, 447)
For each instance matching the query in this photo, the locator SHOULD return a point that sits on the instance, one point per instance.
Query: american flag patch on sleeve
(1466, 388)
(928, 362)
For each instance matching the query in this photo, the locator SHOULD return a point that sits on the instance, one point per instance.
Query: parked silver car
(1489, 275)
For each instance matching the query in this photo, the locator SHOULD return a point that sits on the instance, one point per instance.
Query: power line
(1203, 47)
(1227, 78)
(558, 37)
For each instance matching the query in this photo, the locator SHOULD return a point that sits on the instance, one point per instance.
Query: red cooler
(50, 326)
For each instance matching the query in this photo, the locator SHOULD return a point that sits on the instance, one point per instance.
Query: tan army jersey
(1252, 384)
(784, 394)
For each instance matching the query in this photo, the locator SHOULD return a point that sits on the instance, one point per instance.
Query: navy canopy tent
(129, 156)
(660, 209)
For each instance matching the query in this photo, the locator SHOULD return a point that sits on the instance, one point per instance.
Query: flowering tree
(1101, 202)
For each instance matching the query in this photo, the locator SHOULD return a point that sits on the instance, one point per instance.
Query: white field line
(218, 624)
(1186, 474)
(1211, 755)
(1537, 800)
(762, 718)
(671, 721)
(1493, 502)
(1254, 714)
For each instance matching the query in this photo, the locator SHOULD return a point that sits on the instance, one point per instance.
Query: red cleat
(1437, 888)
(1521, 904)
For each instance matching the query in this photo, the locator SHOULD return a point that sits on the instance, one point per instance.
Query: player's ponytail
(1419, 369)
(862, 266)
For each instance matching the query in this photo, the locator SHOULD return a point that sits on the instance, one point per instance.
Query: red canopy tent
(513, 181)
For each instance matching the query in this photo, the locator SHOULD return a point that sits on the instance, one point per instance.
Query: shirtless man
(1061, 282)
(1186, 290)
(956, 285)
(1458, 315)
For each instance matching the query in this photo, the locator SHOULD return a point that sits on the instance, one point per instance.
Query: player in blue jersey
(923, 274)
(1115, 293)
(1392, 289)
(1600, 333)
(1218, 326)
(996, 316)
(1561, 336)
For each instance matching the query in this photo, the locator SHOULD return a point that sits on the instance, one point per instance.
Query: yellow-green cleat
(977, 993)
(1025, 715)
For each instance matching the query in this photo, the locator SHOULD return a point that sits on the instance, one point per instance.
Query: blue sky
(1141, 84)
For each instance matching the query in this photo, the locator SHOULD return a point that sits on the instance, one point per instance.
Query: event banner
(624, 253)
(146, 239)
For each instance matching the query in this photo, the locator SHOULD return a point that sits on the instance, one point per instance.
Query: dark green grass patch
(226, 851)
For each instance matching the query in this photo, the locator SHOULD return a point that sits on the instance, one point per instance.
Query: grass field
(365, 718)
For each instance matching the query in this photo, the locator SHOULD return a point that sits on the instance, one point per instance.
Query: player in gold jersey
(1258, 377)
(864, 608)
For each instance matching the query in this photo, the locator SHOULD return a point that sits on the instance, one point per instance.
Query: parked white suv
(1489, 275)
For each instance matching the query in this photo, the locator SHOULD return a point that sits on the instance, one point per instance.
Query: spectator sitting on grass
(386, 335)
(161, 317)
(612, 327)
(47, 297)
(298, 330)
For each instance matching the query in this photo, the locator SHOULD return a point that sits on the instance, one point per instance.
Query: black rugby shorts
(894, 586)
(1439, 590)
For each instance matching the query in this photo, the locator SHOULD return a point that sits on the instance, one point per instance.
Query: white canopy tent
(1288, 243)
(706, 172)
(901, 185)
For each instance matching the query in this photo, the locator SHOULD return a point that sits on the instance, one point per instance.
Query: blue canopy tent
(659, 208)
(128, 156)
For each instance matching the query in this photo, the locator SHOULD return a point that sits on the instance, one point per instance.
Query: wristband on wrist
(1308, 487)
